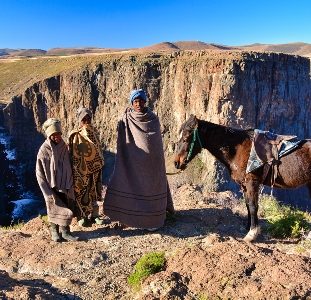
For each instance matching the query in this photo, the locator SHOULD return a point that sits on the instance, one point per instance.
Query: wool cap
(82, 112)
(138, 94)
(51, 126)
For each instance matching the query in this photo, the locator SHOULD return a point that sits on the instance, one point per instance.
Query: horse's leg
(251, 190)
(247, 206)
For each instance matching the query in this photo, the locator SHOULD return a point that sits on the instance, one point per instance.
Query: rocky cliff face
(266, 91)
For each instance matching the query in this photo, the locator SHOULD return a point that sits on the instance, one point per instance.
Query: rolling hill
(299, 48)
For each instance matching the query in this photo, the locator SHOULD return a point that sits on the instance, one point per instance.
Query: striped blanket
(54, 176)
(138, 194)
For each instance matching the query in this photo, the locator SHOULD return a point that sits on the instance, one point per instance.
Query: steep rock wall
(266, 91)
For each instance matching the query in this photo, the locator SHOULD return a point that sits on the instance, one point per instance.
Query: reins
(173, 173)
(195, 138)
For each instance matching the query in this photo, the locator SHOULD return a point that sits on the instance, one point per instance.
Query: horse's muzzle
(176, 163)
(180, 166)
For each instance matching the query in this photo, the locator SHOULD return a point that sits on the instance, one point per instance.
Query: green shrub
(202, 297)
(304, 246)
(283, 221)
(148, 264)
(44, 218)
(269, 206)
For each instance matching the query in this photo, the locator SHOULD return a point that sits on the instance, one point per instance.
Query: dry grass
(17, 226)
(16, 75)
(302, 49)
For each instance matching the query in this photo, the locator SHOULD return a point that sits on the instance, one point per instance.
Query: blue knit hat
(138, 94)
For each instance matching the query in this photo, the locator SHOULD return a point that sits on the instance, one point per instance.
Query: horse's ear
(194, 119)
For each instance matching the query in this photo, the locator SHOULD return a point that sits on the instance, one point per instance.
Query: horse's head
(189, 144)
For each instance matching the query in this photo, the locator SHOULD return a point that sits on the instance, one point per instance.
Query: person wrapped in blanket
(87, 164)
(54, 176)
(138, 194)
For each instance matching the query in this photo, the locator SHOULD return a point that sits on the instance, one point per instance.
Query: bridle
(195, 139)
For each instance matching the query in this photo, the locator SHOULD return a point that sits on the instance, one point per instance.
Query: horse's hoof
(248, 238)
(252, 235)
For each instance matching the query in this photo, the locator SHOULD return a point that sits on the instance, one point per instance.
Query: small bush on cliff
(148, 264)
(283, 221)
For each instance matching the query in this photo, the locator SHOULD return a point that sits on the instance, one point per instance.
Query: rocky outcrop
(266, 91)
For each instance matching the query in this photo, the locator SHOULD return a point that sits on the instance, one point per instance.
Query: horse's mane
(234, 134)
(246, 133)
(250, 132)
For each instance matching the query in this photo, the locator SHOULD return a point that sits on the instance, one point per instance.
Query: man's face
(138, 105)
(56, 137)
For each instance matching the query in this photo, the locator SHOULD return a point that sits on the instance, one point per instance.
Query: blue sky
(47, 24)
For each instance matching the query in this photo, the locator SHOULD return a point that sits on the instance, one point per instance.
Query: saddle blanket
(261, 151)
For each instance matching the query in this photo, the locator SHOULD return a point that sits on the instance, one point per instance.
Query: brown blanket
(138, 194)
(87, 164)
(54, 175)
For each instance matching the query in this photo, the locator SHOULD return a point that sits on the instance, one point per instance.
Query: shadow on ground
(30, 289)
(184, 224)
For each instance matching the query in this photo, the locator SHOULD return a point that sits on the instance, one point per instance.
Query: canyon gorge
(268, 91)
(206, 257)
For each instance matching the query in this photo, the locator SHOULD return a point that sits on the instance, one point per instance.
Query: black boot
(54, 232)
(65, 232)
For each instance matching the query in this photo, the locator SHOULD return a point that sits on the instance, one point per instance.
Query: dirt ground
(206, 258)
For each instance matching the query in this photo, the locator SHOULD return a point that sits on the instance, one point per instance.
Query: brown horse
(232, 148)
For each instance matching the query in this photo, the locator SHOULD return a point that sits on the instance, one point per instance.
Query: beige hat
(51, 126)
(82, 112)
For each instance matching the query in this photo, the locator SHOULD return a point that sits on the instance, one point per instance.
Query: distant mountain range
(302, 49)
(21, 52)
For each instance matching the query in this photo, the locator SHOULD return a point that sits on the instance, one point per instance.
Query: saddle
(267, 149)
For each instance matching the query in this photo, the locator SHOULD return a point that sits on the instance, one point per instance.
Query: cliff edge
(204, 250)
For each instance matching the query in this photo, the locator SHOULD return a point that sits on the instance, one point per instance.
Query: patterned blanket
(87, 164)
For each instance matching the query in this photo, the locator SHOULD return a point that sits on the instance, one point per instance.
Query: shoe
(82, 222)
(66, 235)
(54, 232)
(153, 229)
(98, 221)
(118, 225)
